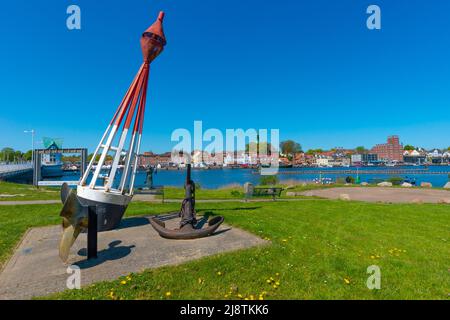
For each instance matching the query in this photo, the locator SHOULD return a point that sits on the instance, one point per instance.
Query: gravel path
(380, 194)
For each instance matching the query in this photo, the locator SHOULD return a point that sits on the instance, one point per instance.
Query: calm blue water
(221, 177)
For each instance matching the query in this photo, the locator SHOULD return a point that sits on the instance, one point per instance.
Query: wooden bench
(267, 192)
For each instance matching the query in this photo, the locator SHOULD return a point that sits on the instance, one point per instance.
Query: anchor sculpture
(189, 226)
(112, 197)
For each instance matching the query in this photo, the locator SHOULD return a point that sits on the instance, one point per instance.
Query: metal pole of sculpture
(121, 140)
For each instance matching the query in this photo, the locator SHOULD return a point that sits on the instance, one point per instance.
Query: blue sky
(310, 68)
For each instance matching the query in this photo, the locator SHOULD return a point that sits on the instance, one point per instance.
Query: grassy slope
(316, 246)
(26, 192)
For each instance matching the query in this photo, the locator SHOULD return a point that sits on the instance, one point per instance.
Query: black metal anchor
(188, 224)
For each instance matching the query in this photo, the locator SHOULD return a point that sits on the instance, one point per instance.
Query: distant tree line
(10, 155)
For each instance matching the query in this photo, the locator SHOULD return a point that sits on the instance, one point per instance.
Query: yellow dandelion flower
(347, 281)
(372, 257)
(168, 294)
(239, 295)
(277, 283)
(268, 281)
(261, 298)
(277, 274)
(219, 273)
(123, 282)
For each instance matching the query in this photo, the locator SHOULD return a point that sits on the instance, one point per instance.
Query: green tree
(18, 155)
(7, 154)
(28, 155)
(360, 149)
(314, 151)
(409, 147)
(290, 147)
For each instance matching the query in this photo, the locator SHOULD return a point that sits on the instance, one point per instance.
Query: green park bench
(263, 192)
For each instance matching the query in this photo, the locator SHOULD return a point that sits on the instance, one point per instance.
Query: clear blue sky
(310, 68)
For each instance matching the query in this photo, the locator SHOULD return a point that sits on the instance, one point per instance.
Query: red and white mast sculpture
(131, 108)
(121, 140)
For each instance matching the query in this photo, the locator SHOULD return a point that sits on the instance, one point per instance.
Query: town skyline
(351, 84)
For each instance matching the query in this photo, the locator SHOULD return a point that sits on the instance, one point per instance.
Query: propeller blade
(75, 219)
(65, 191)
(68, 238)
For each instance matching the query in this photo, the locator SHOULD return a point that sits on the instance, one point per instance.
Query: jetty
(16, 169)
(365, 171)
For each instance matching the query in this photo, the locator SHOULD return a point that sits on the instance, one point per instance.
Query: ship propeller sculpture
(121, 141)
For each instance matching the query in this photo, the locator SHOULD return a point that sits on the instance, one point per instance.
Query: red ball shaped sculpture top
(153, 40)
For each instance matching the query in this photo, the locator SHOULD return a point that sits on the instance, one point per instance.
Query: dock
(365, 171)
(11, 170)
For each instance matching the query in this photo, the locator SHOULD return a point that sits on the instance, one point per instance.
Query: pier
(366, 171)
(16, 169)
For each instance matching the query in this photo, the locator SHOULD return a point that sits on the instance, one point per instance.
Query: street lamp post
(32, 131)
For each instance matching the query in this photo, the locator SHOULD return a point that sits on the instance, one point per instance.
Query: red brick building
(392, 150)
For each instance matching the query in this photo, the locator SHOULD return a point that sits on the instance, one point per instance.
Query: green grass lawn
(237, 193)
(14, 191)
(318, 250)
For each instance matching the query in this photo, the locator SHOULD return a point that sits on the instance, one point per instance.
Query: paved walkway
(36, 270)
(380, 194)
(136, 198)
(25, 202)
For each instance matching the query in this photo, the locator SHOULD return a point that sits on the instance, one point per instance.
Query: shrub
(268, 180)
(340, 180)
(396, 181)
(237, 194)
(350, 179)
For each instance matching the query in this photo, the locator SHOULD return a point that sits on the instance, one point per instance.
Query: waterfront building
(364, 158)
(151, 159)
(414, 157)
(390, 151)
(435, 157)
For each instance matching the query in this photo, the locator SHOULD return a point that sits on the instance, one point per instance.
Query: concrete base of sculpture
(35, 269)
